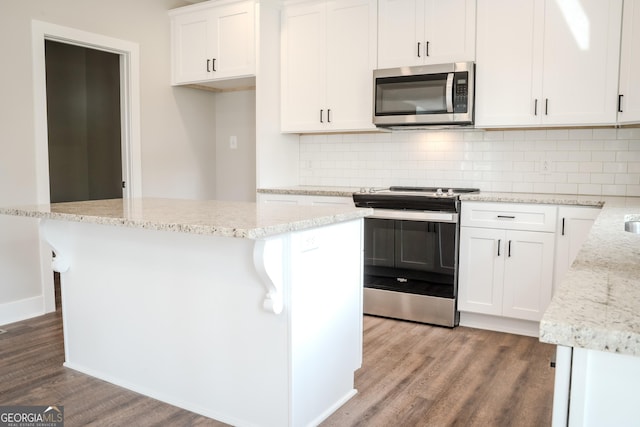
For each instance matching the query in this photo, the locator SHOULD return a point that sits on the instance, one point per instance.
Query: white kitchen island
(594, 319)
(250, 314)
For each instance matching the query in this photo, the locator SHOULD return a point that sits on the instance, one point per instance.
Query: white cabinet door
(574, 224)
(233, 40)
(528, 274)
(581, 61)
(509, 62)
(481, 270)
(400, 29)
(450, 31)
(190, 47)
(303, 68)
(419, 32)
(351, 59)
(328, 57)
(547, 62)
(213, 43)
(505, 273)
(629, 102)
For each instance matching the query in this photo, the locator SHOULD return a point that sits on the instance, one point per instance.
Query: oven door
(416, 257)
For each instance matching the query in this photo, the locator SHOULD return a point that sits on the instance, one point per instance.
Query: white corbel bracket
(60, 262)
(267, 259)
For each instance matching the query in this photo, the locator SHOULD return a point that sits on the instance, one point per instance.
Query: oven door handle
(427, 216)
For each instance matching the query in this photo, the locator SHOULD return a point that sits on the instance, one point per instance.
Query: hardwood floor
(419, 375)
(412, 375)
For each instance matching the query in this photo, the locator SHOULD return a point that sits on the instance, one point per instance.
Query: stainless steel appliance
(424, 95)
(411, 253)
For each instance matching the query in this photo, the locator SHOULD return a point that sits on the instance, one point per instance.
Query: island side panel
(178, 317)
(326, 318)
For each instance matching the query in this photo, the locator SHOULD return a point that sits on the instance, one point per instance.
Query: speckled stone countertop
(597, 304)
(218, 218)
(535, 198)
(553, 199)
(302, 190)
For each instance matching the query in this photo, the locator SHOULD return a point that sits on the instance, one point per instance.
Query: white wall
(176, 125)
(595, 161)
(236, 168)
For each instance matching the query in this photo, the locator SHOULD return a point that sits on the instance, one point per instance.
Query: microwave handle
(449, 92)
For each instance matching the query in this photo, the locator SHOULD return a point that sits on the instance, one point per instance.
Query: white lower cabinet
(595, 388)
(574, 224)
(506, 269)
(505, 272)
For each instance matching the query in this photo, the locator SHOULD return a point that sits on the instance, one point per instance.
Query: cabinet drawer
(509, 216)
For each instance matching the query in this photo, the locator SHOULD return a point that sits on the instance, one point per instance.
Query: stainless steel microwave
(424, 95)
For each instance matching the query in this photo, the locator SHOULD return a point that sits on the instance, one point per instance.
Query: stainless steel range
(411, 253)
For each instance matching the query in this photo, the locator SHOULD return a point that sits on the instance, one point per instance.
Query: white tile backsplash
(578, 161)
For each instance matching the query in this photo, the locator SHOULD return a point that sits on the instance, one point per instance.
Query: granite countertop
(304, 190)
(597, 304)
(553, 199)
(218, 218)
(535, 198)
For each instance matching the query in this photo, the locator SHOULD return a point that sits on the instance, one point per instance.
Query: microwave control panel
(461, 92)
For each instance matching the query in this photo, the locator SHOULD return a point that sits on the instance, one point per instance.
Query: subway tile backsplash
(568, 161)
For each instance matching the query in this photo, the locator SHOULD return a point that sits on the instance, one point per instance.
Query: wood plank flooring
(412, 375)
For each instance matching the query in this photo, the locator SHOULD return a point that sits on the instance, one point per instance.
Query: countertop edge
(201, 229)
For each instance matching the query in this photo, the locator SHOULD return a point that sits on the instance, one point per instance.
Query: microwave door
(449, 93)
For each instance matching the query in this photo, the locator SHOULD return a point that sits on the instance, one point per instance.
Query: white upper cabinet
(328, 56)
(629, 95)
(213, 42)
(547, 63)
(419, 32)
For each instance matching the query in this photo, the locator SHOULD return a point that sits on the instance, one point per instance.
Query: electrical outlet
(233, 142)
(545, 166)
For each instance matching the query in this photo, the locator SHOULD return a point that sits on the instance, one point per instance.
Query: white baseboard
(500, 324)
(16, 311)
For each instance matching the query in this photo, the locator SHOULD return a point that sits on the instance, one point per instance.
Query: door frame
(130, 120)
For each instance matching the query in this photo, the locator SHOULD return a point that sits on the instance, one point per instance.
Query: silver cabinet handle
(506, 217)
(321, 112)
(499, 243)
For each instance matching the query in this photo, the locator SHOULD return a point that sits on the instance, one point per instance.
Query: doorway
(83, 123)
(128, 54)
